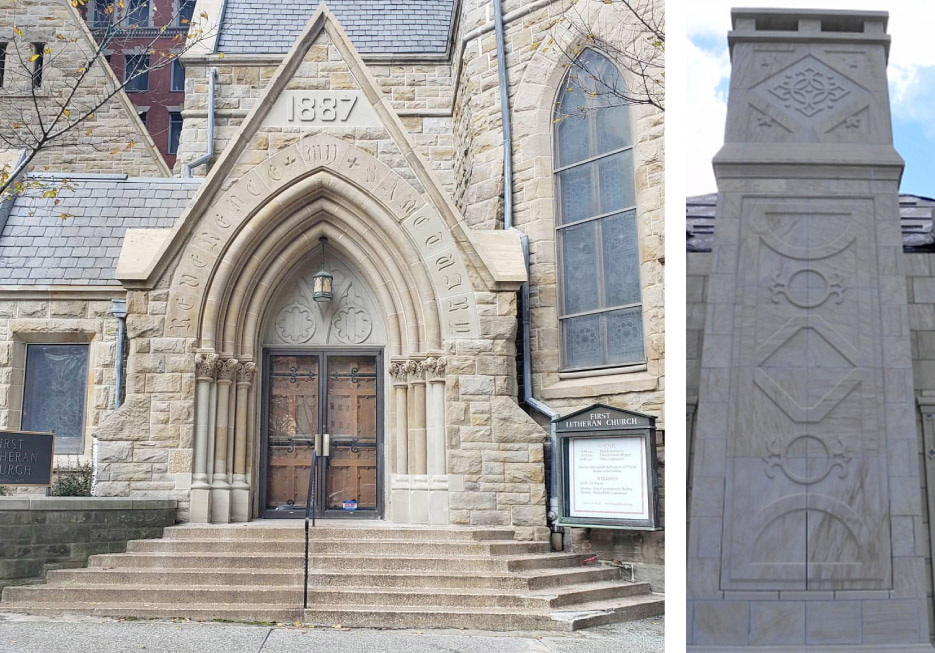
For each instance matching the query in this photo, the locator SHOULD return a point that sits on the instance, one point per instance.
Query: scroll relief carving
(807, 288)
(827, 458)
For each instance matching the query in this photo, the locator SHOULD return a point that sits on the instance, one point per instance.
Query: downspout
(528, 399)
(209, 153)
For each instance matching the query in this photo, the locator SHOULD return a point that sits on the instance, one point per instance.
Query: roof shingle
(38, 246)
(374, 26)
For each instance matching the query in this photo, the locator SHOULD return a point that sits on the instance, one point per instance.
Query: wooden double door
(332, 399)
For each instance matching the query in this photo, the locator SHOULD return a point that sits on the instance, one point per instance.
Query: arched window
(600, 310)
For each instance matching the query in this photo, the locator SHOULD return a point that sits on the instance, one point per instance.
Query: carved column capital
(435, 368)
(398, 371)
(245, 373)
(227, 369)
(206, 364)
(415, 371)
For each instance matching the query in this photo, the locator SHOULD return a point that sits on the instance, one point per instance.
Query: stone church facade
(379, 164)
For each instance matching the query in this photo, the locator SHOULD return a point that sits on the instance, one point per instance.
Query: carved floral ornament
(435, 367)
(227, 369)
(206, 365)
(809, 91)
(245, 373)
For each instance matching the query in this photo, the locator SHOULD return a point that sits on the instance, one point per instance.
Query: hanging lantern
(322, 281)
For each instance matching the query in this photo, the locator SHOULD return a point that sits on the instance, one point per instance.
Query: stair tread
(362, 588)
(299, 554)
(317, 571)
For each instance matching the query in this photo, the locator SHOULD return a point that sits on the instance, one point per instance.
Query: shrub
(73, 481)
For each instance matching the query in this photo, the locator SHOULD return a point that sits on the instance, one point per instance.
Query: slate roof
(374, 26)
(916, 217)
(37, 246)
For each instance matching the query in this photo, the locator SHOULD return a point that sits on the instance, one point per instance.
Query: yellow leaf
(66, 112)
(204, 14)
(18, 31)
(34, 57)
(220, 55)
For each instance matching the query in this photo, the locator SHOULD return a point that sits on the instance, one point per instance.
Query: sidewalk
(25, 634)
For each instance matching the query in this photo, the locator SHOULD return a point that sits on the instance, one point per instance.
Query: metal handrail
(309, 498)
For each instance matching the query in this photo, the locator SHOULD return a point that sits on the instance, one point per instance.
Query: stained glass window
(54, 393)
(600, 307)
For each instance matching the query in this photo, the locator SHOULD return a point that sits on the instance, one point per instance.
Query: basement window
(54, 392)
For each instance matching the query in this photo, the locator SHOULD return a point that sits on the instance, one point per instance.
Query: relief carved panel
(807, 477)
(352, 317)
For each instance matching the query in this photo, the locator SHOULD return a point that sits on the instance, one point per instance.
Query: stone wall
(920, 270)
(42, 533)
(84, 317)
(113, 140)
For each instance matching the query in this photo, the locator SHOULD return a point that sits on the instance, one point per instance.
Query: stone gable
(100, 144)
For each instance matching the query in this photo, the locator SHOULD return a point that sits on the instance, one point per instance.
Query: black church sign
(607, 469)
(26, 458)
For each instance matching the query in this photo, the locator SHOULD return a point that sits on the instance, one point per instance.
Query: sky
(911, 79)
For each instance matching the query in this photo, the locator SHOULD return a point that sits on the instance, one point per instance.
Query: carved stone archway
(249, 243)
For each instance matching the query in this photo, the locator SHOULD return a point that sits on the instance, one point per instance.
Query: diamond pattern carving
(810, 90)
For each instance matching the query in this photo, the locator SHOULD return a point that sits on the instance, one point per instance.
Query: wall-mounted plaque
(26, 458)
(607, 469)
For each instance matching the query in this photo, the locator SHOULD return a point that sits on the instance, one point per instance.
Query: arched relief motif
(241, 220)
(352, 317)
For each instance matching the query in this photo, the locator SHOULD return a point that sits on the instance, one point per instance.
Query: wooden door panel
(293, 422)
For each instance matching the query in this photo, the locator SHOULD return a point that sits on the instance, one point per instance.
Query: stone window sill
(595, 386)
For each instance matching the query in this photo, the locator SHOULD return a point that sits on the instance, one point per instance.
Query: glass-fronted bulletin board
(607, 469)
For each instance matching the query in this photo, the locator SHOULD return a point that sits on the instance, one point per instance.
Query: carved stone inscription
(806, 429)
(457, 309)
(322, 109)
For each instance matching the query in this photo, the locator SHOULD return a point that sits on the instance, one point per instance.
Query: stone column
(205, 369)
(806, 508)
(399, 480)
(251, 444)
(220, 486)
(418, 495)
(240, 490)
(435, 441)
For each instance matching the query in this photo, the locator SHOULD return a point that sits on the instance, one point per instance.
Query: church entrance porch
(332, 400)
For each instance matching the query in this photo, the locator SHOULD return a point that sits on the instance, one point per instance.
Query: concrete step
(322, 596)
(318, 578)
(296, 531)
(246, 613)
(346, 547)
(264, 561)
(150, 595)
(598, 613)
(591, 614)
